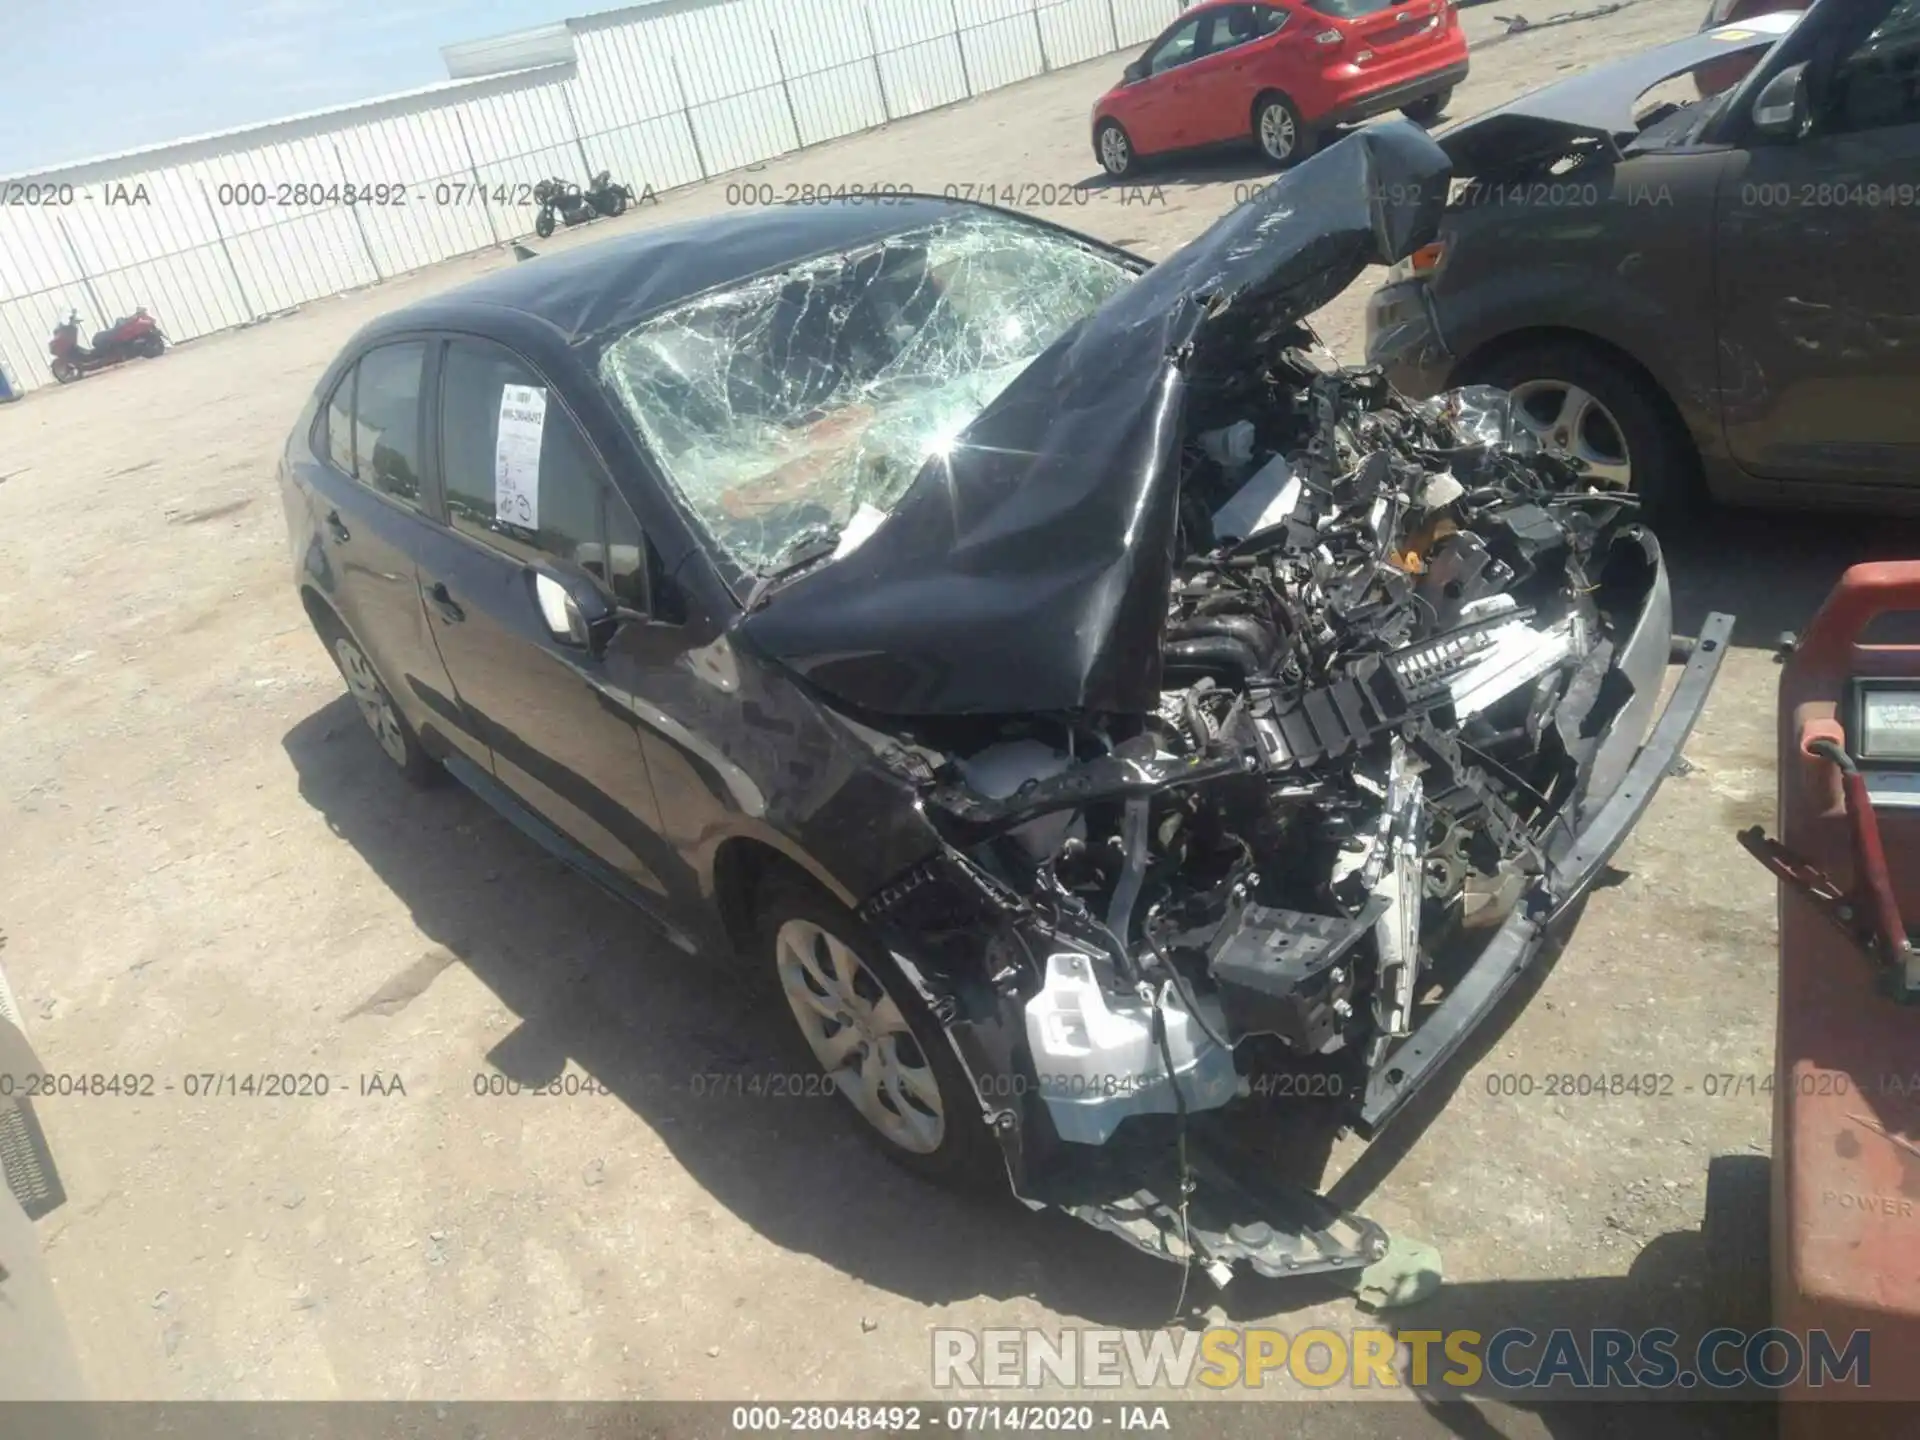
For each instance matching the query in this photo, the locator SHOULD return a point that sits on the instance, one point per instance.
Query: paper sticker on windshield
(516, 456)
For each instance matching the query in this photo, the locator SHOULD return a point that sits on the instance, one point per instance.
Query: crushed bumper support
(1519, 940)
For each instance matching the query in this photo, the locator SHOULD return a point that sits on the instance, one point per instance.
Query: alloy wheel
(1572, 424)
(376, 707)
(859, 1035)
(1278, 133)
(1115, 153)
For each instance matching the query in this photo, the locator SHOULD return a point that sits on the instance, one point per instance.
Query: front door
(524, 489)
(1819, 292)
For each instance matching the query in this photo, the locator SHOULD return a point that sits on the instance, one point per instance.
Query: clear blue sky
(80, 78)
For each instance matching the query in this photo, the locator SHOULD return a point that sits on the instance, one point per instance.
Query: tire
(616, 205)
(929, 1117)
(1657, 455)
(1113, 148)
(369, 692)
(543, 223)
(1431, 108)
(65, 371)
(153, 347)
(1283, 137)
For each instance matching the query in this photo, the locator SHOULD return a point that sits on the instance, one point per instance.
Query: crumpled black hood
(1029, 570)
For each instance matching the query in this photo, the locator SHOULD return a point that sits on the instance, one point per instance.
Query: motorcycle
(559, 197)
(574, 206)
(608, 196)
(128, 338)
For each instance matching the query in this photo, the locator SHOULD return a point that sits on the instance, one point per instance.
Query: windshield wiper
(802, 552)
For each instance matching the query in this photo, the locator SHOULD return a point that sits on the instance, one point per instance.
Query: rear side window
(339, 420)
(520, 475)
(1350, 9)
(386, 421)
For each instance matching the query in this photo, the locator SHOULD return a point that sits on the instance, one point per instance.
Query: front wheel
(873, 1037)
(1429, 109)
(1585, 407)
(614, 204)
(65, 371)
(1279, 131)
(1113, 149)
(543, 223)
(153, 346)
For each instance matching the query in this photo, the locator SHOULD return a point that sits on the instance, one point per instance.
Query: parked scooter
(128, 338)
(573, 206)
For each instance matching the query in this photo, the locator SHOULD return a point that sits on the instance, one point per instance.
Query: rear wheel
(869, 1032)
(1279, 131)
(390, 729)
(1584, 406)
(1429, 109)
(1113, 148)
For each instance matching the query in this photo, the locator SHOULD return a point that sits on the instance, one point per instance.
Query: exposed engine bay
(1392, 659)
(1386, 657)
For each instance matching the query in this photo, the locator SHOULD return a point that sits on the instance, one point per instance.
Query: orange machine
(1846, 1129)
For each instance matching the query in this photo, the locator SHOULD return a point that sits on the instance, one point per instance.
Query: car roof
(610, 285)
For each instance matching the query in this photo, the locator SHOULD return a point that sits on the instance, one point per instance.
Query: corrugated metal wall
(660, 99)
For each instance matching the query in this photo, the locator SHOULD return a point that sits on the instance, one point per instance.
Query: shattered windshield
(793, 410)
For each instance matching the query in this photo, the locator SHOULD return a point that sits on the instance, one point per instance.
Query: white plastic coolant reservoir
(1099, 1063)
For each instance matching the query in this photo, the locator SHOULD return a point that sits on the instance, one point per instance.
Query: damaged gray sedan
(1084, 701)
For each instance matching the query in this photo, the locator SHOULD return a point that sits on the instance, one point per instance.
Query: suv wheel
(1278, 130)
(1582, 405)
(1113, 149)
(396, 738)
(1428, 109)
(874, 1038)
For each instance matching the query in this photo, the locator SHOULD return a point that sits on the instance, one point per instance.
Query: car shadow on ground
(1773, 570)
(685, 1043)
(1215, 165)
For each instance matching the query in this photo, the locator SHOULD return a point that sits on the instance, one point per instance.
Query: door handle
(444, 602)
(338, 527)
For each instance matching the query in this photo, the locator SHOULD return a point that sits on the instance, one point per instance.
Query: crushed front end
(1408, 679)
(1265, 719)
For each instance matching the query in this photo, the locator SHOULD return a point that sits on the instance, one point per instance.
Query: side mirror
(576, 612)
(1780, 112)
(1134, 73)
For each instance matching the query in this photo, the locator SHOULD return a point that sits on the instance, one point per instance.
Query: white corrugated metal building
(216, 231)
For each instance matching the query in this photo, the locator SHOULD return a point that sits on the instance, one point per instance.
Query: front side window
(1878, 85)
(386, 421)
(520, 475)
(1177, 49)
(792, 406)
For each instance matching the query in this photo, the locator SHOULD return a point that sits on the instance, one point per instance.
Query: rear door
(1815, 244)
(524, 489)
(372, 516)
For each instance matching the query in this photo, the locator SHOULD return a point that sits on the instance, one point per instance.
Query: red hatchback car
(1279, 72)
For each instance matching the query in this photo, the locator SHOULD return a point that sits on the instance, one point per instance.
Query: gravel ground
(204, 868)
